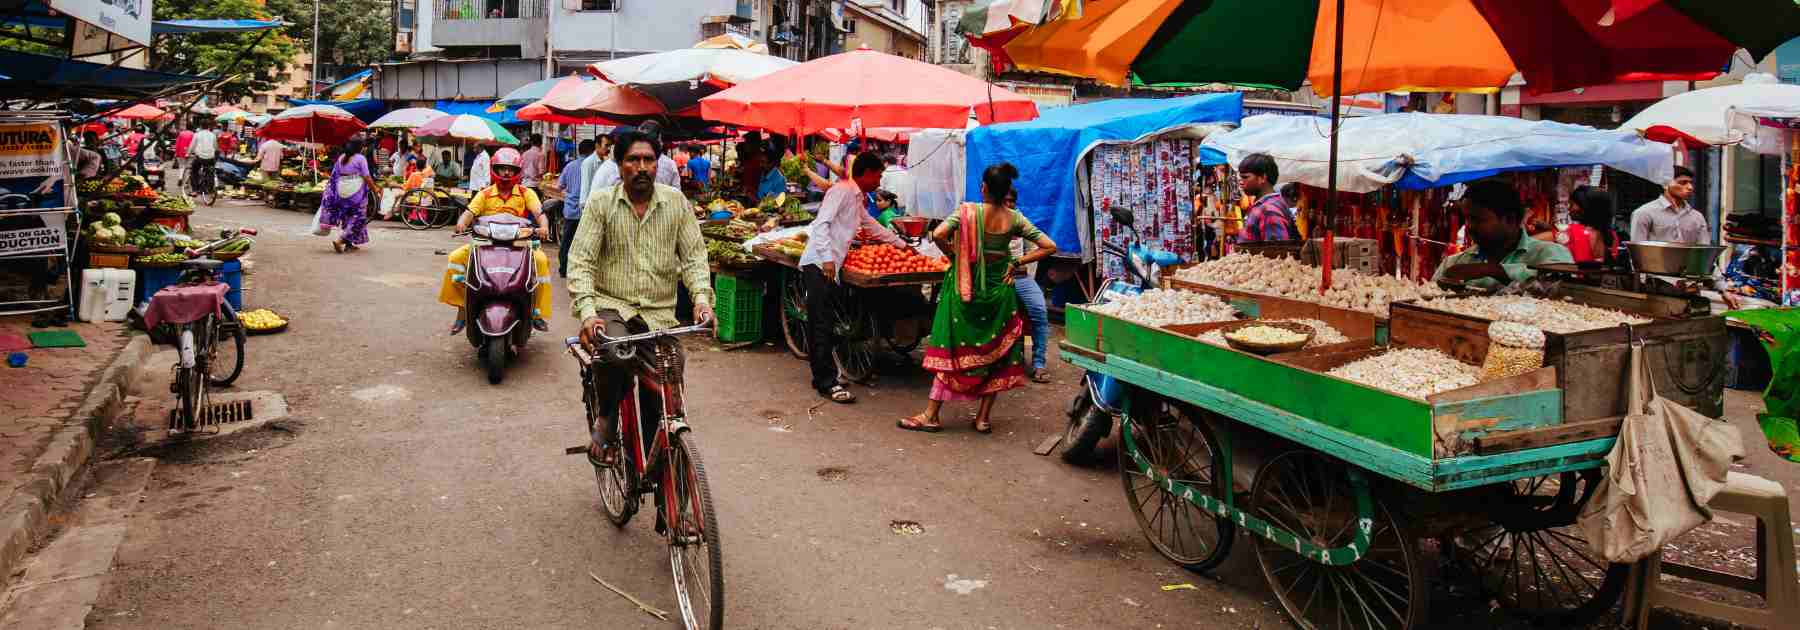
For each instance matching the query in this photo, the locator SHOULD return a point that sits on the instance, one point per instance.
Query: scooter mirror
(1123, 217)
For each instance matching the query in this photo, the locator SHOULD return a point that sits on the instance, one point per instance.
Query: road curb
(24, 517)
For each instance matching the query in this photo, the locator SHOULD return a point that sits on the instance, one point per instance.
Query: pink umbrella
(600, 102)
(868, 89)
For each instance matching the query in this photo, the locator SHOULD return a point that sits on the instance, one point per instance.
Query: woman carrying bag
(346, 199)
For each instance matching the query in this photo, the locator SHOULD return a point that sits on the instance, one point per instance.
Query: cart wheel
(1171, 439)
(1311, 496)
(855, 354)
(793, 314)
(415, 207)
(1534, 561)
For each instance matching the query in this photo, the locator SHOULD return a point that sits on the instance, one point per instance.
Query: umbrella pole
(1337, 93)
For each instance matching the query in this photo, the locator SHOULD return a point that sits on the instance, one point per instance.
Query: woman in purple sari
(346, 201)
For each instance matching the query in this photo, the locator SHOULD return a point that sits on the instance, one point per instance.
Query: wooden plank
(1049, 444)
(1455, 425)
(1510, 441)
(1413, 326)
(1480, 470)
(1382, 459)
(1353, 324)
(1541, 378)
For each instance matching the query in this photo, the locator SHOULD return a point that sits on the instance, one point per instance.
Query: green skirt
(975, 347)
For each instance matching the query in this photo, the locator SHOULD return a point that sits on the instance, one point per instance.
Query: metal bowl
(1675, 259)
(910, 227)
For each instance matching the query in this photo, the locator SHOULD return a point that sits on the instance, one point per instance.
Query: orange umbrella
(868, 89)
(1465, 53)
(1100, 44)
(141, 111)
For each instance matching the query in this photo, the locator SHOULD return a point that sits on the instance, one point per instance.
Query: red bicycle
(667, 466)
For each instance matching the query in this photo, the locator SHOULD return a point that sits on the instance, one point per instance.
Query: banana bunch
(262, 319)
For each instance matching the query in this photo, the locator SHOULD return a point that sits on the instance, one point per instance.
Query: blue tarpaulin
(1416, 150)
(480, 108)
(365, 109)
(1047, 151)
(48, 78)
(185, 27)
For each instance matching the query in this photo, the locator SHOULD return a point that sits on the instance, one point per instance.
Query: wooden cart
(1346, 488)
(880, 313)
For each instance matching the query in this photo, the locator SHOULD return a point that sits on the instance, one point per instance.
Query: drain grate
(216, 414)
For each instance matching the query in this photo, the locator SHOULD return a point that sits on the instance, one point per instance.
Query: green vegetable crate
(738, 308)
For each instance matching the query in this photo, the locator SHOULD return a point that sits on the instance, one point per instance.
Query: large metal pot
(1675, 259)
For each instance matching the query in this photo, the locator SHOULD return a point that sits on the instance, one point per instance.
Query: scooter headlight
(505, 232)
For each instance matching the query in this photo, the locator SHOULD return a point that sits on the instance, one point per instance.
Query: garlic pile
(1266, 335)
(1323, 333)
(1415, 372)
(1161, 307)
(1289, 278)
(1548, 315)
(1515, 349)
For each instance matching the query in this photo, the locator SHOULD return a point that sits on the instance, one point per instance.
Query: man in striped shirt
(636, 240)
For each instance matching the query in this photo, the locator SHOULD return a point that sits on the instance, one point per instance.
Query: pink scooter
(498, 288)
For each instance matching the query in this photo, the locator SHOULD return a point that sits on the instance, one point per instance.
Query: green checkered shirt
(623, 263)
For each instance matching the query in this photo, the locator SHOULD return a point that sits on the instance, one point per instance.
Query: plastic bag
(1668, 464)
(319, 227)
(389, 198)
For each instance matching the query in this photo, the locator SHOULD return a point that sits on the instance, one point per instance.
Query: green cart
(1347, 490)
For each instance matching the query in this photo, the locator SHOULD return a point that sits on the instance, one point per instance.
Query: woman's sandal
(1040, 375)
(839, 395)
(984, 427)
(917, 423)
(337, 246)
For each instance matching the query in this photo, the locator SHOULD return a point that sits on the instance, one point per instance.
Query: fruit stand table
(880, 312)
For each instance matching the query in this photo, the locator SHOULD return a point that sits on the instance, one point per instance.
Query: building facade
(897, 27)
(294, 82)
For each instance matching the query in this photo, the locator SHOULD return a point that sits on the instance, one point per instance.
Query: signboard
(35, 234)
(34, 263)
(129, 19)
(32, 166)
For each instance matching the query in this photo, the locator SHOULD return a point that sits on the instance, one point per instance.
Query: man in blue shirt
(699, 167)
(571, 210)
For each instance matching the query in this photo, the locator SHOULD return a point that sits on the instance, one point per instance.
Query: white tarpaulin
(934, 160)
(1416, 151)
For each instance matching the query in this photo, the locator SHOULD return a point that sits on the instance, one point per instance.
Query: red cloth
(185, 303)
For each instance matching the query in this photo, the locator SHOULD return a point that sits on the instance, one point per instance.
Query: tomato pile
(883, 259)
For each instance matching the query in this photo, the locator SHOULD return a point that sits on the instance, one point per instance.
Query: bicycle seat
(204, 264)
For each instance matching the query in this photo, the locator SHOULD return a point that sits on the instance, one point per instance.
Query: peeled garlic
(1162, 307)
(1289, 278)
(1549, 315)
(1415, 372)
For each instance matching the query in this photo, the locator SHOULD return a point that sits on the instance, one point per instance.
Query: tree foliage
(213, 53)
(352, 33)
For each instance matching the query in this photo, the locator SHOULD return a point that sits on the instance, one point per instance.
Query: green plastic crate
(738, 307)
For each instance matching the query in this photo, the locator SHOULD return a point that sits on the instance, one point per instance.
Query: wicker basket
(1260, 348)
(101, 248)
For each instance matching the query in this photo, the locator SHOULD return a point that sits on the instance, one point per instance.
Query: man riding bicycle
(636, 240)
(204, 149)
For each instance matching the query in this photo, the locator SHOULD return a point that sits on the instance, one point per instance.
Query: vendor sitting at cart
(505, 196)
(1494, 216)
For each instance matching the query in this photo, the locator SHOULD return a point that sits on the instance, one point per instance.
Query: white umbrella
(409, 118)
(1719, 115)
(680, 78)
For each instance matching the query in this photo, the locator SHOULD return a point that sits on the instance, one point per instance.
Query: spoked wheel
(618, 480)
(793, 314)
(855, 354)
(225, 355)
(1307, 494)
(1535, 562)
(1175, 443)
(694, 539)
(416, 208)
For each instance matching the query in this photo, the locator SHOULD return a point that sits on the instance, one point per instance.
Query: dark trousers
(611, 380)
(821, 319)
(564, 242)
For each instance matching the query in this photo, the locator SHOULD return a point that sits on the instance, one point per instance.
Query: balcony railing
(492, 9)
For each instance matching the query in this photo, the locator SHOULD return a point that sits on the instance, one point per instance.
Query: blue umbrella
(531, 93)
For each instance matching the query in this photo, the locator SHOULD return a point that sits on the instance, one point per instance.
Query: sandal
(984, 426)
(917, 423)
(1040, 375)
(337, 246)
(839, 395)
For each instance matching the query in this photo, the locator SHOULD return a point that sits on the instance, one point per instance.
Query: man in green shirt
(1494, 215)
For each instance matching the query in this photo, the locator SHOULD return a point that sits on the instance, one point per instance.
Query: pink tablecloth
(185, 303)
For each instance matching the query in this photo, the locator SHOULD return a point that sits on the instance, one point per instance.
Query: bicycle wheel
(618, 481)
(1181, 446)
(694, 538)
(226, 349)
(186, 406)
(793, 314)
(415, 207)
(1535, 562)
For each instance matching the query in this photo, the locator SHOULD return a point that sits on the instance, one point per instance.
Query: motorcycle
(1100, 399)
(498, 287)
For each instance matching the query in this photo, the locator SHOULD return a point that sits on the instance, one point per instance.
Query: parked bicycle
(666, 465)
(207, 333)
(428, 208)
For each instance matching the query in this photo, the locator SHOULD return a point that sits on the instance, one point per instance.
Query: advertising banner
(32, 166)
(34, 263)
(129, 19)
(34, 234)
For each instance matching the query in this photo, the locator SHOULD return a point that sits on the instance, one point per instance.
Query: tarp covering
(365, 109)
(480, 108)
(39, 77)
(1416, 151)
(184, 27)
(1047, 151)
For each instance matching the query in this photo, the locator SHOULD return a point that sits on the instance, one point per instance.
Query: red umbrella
(321, 124)
(868, 89)
(141, 111)
(599, 102)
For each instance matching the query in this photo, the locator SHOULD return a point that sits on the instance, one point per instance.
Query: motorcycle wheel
(493, 357)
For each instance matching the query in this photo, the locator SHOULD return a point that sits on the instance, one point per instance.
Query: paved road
(406, 492)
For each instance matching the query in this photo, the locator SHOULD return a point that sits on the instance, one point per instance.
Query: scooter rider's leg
(540, 295)
(451, 290)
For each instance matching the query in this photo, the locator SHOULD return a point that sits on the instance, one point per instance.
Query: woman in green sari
(974, 352)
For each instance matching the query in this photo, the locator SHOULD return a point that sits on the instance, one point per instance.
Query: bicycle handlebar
(624, 348)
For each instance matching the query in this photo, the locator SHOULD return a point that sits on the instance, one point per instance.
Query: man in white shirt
(841, 215)
(1669, 218)
(204, 150)
(479, 174)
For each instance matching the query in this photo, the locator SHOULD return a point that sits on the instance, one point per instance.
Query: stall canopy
(1416, 151)
(365, 109)
(189, 27)
(479, 108)
(1048, 150)
(39, 77)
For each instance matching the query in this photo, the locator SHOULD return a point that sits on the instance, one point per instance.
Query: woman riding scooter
(505, 196)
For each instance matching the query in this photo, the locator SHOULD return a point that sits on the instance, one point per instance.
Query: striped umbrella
(467, 128)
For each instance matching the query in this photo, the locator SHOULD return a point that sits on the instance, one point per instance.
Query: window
(600, 5)
(898, 7)
(850, 25)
